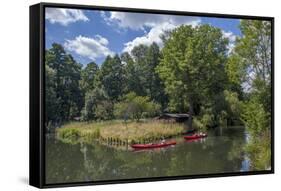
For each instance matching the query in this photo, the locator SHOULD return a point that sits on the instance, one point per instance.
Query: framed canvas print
(127, 95)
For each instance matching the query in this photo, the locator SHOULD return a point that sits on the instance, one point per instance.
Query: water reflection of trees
(83, 162)
(63, 163)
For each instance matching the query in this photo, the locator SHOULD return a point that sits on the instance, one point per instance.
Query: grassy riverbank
(117, 132)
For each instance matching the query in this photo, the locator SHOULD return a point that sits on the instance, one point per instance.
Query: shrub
(104, 110)
(68, 135)
(135, 107)
(255, 118)
(97, 106)
(234, 105)
(197, 123)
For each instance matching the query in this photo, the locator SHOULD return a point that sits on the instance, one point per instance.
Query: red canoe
(195, 136)
(153, 145)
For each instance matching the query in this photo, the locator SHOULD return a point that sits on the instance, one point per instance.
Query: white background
(14, 92)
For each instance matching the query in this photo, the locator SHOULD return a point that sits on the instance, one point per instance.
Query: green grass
(118, 131)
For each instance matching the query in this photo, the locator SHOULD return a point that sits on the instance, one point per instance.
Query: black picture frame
(37, 95)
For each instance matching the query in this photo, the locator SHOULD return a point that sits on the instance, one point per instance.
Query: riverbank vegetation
(197, 71)
(252, 59)
(118, 132)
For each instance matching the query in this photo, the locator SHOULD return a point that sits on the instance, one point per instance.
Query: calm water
(220, 152)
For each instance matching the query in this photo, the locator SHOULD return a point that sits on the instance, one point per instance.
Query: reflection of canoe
(195, 136)
(193, 140)
(153, 145)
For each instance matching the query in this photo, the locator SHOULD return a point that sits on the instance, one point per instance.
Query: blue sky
(92, 35)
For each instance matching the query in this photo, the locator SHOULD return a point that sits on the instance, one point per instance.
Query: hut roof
(176, 115)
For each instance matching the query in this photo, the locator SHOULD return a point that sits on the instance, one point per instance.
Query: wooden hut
(174, 117)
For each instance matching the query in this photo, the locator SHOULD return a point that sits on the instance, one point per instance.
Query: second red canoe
(195, 136)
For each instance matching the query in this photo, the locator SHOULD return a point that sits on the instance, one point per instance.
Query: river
(220, 152)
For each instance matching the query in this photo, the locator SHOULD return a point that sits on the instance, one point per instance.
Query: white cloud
(231, 38)
(154, 23)
(157, 24)
(91, 48)
(152, 36)
(101, 40)
(65, 16)
(137, 21)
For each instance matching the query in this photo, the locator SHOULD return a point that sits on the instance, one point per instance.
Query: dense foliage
(125, 83)
(194, 72)
(251, 66)
(136, 107)
(64, 98)
(193, 69)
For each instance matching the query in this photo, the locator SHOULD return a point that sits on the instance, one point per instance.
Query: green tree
(132, 75)
(139, 54)
(51, 100)
(88, 76)
(255, 118)
(250, 63)
(135, 107)
(95, 107)
(62, 78)
(104, 110)
(141, 75)
(112, 77)
(192, 66)
(250, 66)
(155, 85)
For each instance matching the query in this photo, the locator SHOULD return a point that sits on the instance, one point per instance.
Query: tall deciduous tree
(250, 65)
(192, 66)
(250, 62)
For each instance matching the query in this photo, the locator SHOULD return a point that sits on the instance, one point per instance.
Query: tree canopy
(193, 67)
(194, 72)
(63, 95)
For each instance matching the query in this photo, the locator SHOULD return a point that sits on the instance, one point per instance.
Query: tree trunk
(190, 112)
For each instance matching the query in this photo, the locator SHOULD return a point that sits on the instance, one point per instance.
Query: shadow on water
(220, 152)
